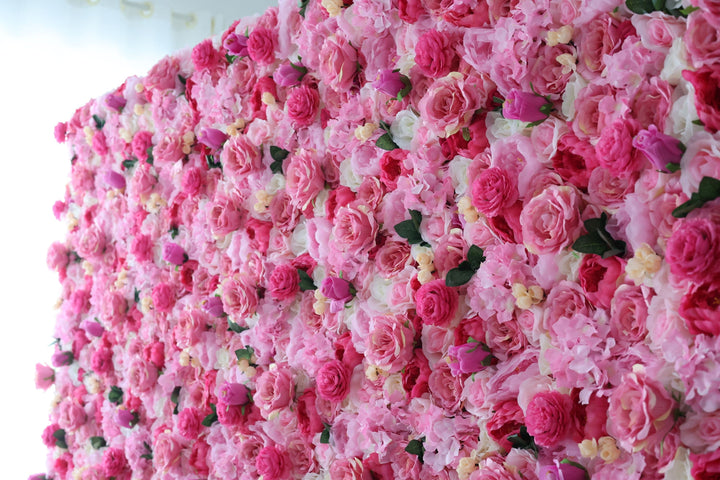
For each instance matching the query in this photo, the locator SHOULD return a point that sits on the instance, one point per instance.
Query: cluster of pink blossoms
(374, 239)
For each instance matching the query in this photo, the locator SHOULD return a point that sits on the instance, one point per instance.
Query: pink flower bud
(561, 471)
(468, 358)
(234, 394)
(212, 138)
(338, 290)
(526, 107)
(115, 102)
(115, 179)
(60, 359)
(60, 132)
(389, 82)
(125, 418)
(174, 253)
(214, 306)
(660, 149)
(44, 376)
(236, 45)
(287, 76)
(93, 328)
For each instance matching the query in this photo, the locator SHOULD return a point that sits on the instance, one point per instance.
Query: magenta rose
(140, 144)
(189, 422)
(212, 138)
(125, 418)
(598, 277)
(261, 45)
(303, 104)
(658, 148)
(640, 412)
(435, 54)
(174, 253)
(338, 290)
(693, 249)
(271, 463)
(389, 82)
(547, 417)
(493, 190)
(114, 462)
(204, 56)
(232, 393)
(304, 178)
(468, 358)
(436, 303)
(338, 63)
(163, 297)
(562, 471)
(700, 308)
(706, 82)
(236, 44)
(287, 75)
(705, 466)
(525, 106)
(333, 381)
(550, 221)
(284, 282)
(309, 421)
(60, 132)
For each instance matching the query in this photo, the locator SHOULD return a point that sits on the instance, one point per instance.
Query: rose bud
(338, 290)
(115, 102)
(660, 149)
(214, 306)
(212, 138)
(126, 418)
(234, 394)
(390, 83)
(288, 75)
(469, 358)
(44, 376)
(562, 471)
(236, 45)
(115, 179)
(174, 253)
(93, 328)
(526, 107)
(60, 359)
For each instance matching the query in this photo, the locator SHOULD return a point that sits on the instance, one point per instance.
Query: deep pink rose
(60, 359)
(271, 463)
(415, 375)
(551, 220)
(261, 45)
(141, 247)
(115, 179)
(338, 63)
(525, 106)
(125, 418)
(700, 308)
(163, 297)
(468, 358)
(309, 421)
(338, 290)
(562, 471)
(435, 54)
(506, 420)
(140, 144)
(574, 160)
(659, 149)
(392, 166)
(705, 466)
(436, 303)
(101, 360)
(205, 56)
(284, 282)
(598, 277)
(115, 102)
(192, 181)
(333, 381)
(493, 190)
(189, 422)
(174, 253)
(693, 249)
(114, 462)
(214, 306)
(640, 411)
(233, 393)
(304, 178)
(410, 10)
(706, 82)
(303, 104)
(547, 417)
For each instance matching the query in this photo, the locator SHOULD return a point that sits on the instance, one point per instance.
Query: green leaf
(406, 88)
(386, 142)
(385, 126)
(457, 276)
(230, 58)
(416, 217)
(115, 395)
(212, 163)
(306, 282)
(658, 5)
(325, 435)
(212, 418)
(475, 256)
(598, 240)
(59, 435)
(276, 167)
(687, 10)
(466, 134)
(245, 353)
(672, 167)
(175, 398)
(150, 158)
(278, 154)
(498, 100)
(235, 327)
(416, 447)
(303, 5)
(129, 163)
(136, 296)
(182, 79)
(709, 189)
(99, 122)
(523, 441)
(97, 442)
(590, 243)
(174, 231)
(407, 229)
(149, 454)
(698, 122)
(682, 210)
(640, 6)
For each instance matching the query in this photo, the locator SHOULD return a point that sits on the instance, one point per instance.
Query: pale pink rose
(338, 63)
(304, 178)
(609, 190)
(163, 297)
(303, 104)
(240, 157)
(658, 30)
(44, 376)
(700, 431)
(390, 343)
(141, 375)
(166, 451)
(168, 149)
(699, 160)
(702, 40)
(449, 104)
(547, 417)
(493, 190)
(142, 181)
(272, 463)
(284, 282)
(615, 148)
(435, 54)
(694, 248)
(70, 415)
(354, 230)
(274, 390)
(652, 102)
(592, 112)
(333, 381)
(240, 299)
(628, 314)
(549, 76)
(261, 45)
(436, 303)
(58, 256)
(640, 411)
(598, 38)
(91, 242)
(392, 258)
(551, 220)
(446, 389)
(223, 216)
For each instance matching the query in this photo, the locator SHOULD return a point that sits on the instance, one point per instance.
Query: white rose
(380, 294)
(348, 177)
(458, 169)
(500, 127)
(299, 240)
(675, 62)
(403, 128)
(573, 87)
(319, 203)
(682, 115)
(222, 358)
(276, 183)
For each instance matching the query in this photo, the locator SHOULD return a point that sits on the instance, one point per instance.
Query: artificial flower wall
(374, 239)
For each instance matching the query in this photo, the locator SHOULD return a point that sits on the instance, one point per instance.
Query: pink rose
(506, 420)
(574, 160)
(232, 393)
(70, 415)
(333, 381)
(174, 253)
(236, 45)
(60, 359)
(694, 248)
(436, 303)
(114, 462)
(303, 104)
(615, 148)
(272, 463)
(525, 106)
(659, 149)
(91, 242)
(287, 75)
(562, 471)
(284, 282)
(44, 376)
(338, 290)
(354, 230)
(390, 343)
(188, 422)
(101, 360)
(700, 308)
(261, 45)
(223, 217)
(598, 277)
(628, 314)
(550, 221)
(141, 375)
(446, 389)
(493, 190)
(435, 54)
(651, 103)
(700, 431)
(468, 358)
(163, 75)
(274, 390)
(212, 138)
(338, 63)
(239, 298)
(392, 258)
(163, 297)
(304, 178)
(702, 41)
(640, 411)
(140, 144)
(706, 82)
(705, 466)
(450, 102)
(547, 417)
(166, 451)
(410, 10)
(205, 56)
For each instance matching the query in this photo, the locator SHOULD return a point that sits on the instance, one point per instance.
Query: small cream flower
(154, 203)
(139, 110)
(588, 448)
(467, 210)
(121, 279)
(263, 202)
(643, 265)
(466, 467)
(526, 297)
(424, 276)
(125, 135)
(92, 384)
(87, 266)
(608, 449)
(139, 87)
(364, 132)
(320, 305)
(333, 7)
(268, 98)
(568, 61)
(184, 359)
(89, 134)
(145, 304)
(561, 35)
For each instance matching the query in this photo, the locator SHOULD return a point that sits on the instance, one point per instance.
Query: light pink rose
(699, 160)
(449, 104)
(392, 258)
(333, 381)
(640, 411)
(338, 60)
(693, 249)
(551, 220)
(436, 303)
(304, 178)
(141, 375)
(70, 415)
(657, 30)
(240, 299)
(598, 38)
(166, 451)
(389, 343)
(274, 390)
(163, 74)
(261, 45)
(168, 149)
(354, 230)
(652, 101)
(628, 314)
(91, 242)
(702, 40)
(303, 104)
(223, 217)
(547, 417)
(240, 157)
(446, 389)
(58, 256)
(44, 376)
(700, 431)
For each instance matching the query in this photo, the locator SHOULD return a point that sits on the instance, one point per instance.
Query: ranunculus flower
(561, 471)
(204, 55)
(468, 358)
(525, 106)
(547, 417)
(659, 148)
(212, 138)
(234, 393)
(700, 308)
(236, 45)
(163, 297)
(436, 303)
(284, 282)
(434, 54)
(338, 290)
(174, 253)
(44, 376)
(333, 381)
(389, 82)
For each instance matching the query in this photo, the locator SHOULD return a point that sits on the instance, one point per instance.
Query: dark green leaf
(385, 126)
(536, 123)
(498, 100)
(235, 327)
(325, 435)
(115, 395)
(456, 277)
(687, 10)
(129, 163)
(182, 79)
(136, 296)
(523, 440)
(212, 418)
(276, 167)
(640, 6)
(303, 5)
(150, 158)
(698, 122)
(709, 189)
(278, 154)
(99, 122)
(567, 461)
(590, 243)
(306, 282)
(174, 231)
(245, 353)
(416, 217)
(230, 58)
(658, 5)
(672, 167)
(97, 442)
(466, 134)
(416, 447)
(59, 435)
(386, 142)
(406, 88)
(475, 256)
(212, 163)
(175, 398)
(687, 207)
(406, 229)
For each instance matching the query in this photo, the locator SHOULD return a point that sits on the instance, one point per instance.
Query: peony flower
(212, 138)
(526, 107)
(548, 417)
(659, 148)
(234, 394)
(469, 358)
(339, 290)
